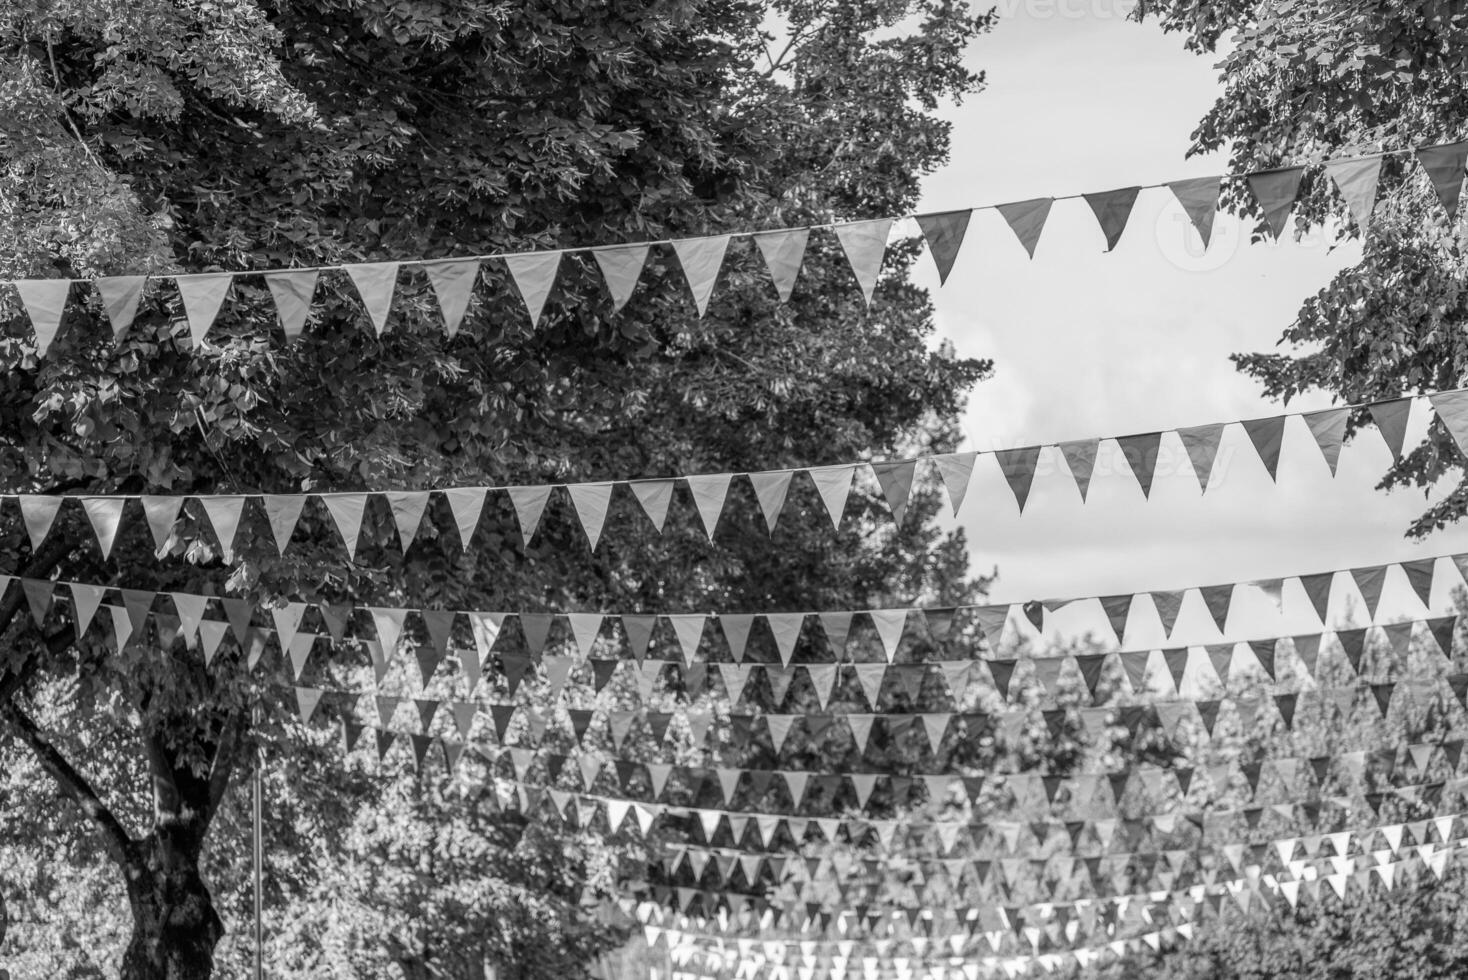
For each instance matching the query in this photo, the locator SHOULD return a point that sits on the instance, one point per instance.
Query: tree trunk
(175, 926)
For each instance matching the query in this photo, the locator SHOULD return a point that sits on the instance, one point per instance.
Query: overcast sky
(1088, 343)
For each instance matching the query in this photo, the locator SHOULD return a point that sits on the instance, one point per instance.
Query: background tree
(160, 137)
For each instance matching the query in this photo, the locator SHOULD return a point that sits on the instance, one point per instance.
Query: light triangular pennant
(1199, 200)
(529, 504)
(120, 296)
(453, 285)
(45, 303)
(224, 515)
(783, 252)
(407, 512)
(1112, 209)
(1201, 443)
(1452, 408)
(346, 511)
(162, 514)
(621, 267)
(584, 628)
(1444, 166)
(190, 609)
(895, 478)
(293, 292)
(1080, 457)
(389, 624)
(654, 496)
(944, 233)
(283, 511)
(869, 676)
(376, 282)
(85, 600)
(1140, 453)
(38, 513)
(736, 633)
(890, 624)
(202, 297)
(534, 275)
(956, 469)
(1267, 435)
(105, 514)
(708, 496)
(834, 484)
(771, 488)
(865, 244)
(823, 680)
(1027, 219)
(591, 501)
(1391, 421)
(1329, 429)
(701, 259)
(837, 627)
(786, 630)
(689, 630)
(1275, 190)
(861, 725)
(466, 504)
(1018, 467)
(1357, 179)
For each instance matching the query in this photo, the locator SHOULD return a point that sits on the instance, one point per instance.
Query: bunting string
(864, 243)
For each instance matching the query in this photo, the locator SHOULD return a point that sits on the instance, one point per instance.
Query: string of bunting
(591, 502)
(864, 243)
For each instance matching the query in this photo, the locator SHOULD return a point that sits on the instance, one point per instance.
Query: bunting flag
(293, 292)
(1357, 180)
(376, 283)
(120, 297)
(621, 267)
(834, 485)
(1199, 200)
(709, 493)
(45, 303)
(591, 501)
(784, 253)
(1391, 419)
(865, 243)
(1018, 467)
(1112, 209)
(1329, 429)
(1027, 219)
(701, 259)
(529, 504)
(1080, 457)
(1444, 167)
(771, 489)
(453, 286)
(346, 511)
(944, 234)
(1275, 190)
(202, 296)
(534, 275)
(1452, 410)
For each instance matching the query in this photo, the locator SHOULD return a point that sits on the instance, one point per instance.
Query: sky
(1088, 343)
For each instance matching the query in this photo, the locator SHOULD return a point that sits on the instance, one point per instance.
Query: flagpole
(259, 864)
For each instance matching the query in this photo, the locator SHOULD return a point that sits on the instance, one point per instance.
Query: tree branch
(72, 783)
(226, 756)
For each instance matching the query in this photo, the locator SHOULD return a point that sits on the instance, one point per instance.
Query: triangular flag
(376, 282)
(621, 267)
(38, 594)
(689, 630)
(1080, 456)
(701, 259)
(1027, 219)
(1391, 421)
(786, 630)
(771, 488)
(591, 501)
(1452, 408)
(708, 496)
(120, 296)
(407, 512)
(638, 630)
(837, 626)
(1112, 209)
(1018, 467)
(1275, 190)
(85, 599)
(1140, 453)
(1329, 429)
(224, 514)
(783, 251)
(534, 275)
(288, 623)
(944, 233)
(1370, 581)
(389, 624)
(834, 484)
(162, 514)
(1168, 604)
(736, 633)
(654, 496)
(1118, 609)
(1444, 166)
(870, 677)
(307, 698)
(895, 479)
(1199, 200)
(292, 292)
(453, 285)
(890, 624)
(956, 469)
(1420, 573)
(283, 511)
(466, 504)
(105, 513)
(1267, 434)
(1201, 443)
(529, 503)
(38, 513)
(536, 627)
(1218, 598)
(1356, 178)
(346, 511)
(45, 303)
(865, 243)
(1317, 590)
(202, 297)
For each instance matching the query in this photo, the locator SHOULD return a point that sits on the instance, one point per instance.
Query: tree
(160, 137)
(1304, 82)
